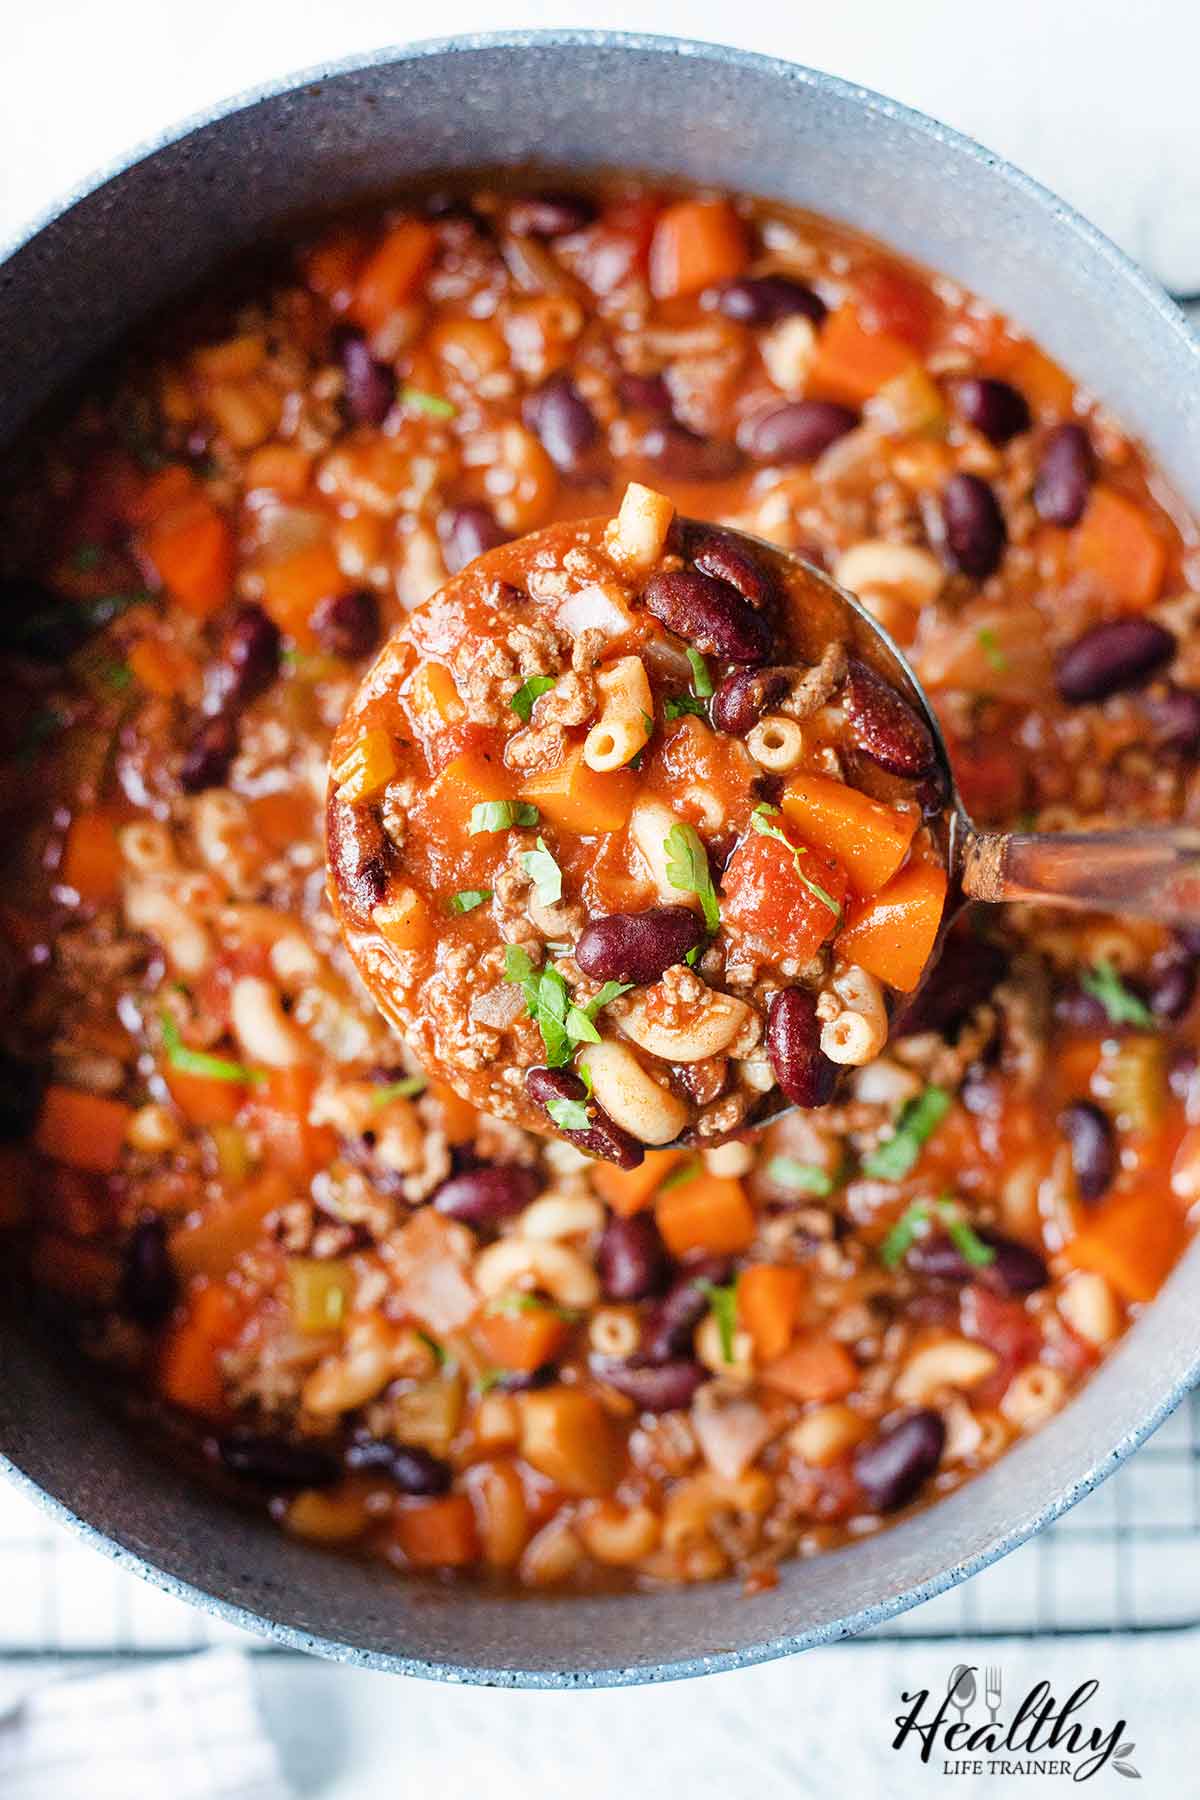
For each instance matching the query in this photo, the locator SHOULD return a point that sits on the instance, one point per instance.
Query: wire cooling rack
(1124, 1559)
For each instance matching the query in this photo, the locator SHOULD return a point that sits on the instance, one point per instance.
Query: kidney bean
(681, 455)
(21, 1084)
(360, 855)
(995, 408)
(1015, 1268)
(805, 1075)
(485, 1196)
(1065, 475)
(743, 697)
(709, 614)
(347, 625)
(630, 1258)
(36, 622)
(638, 947)
(369, 386)
(762, 299)
(644, 393)
(797, 432)
(1188, 936)
(413, 1469)
(276, 1462)
(667, 1333)
(1093, 1151)
(246, 663)
(653, 1387)
(466, 532)
(893, 1466)
(963, 977)
(561, 418)
(206, 761)
(603, 1137)
(717, 553)
(1172, 985)
(148, 1281)
(974, 526)
(549, 215)
(1122, 653)
(1181, 1070)
(884, 725)
(1173, 718)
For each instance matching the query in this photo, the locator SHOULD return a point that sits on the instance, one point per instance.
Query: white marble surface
(1096, 98)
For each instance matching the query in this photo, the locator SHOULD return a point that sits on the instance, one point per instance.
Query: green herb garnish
(806, 1178)
(915, 1126)
(573, 1115)
(511, 1305)
(723, 1302)
(675, 705)
(529, 691)
(911, 1224)
(548, 1001)
(990, 646)
(500, 815)
(687, 1171)
(1122, 1005)
(419, 400)
(407, 1088)
(903, 1235)
(759, 821)
(198, 1062)
(544, 873)
(964, 1237)
(467, 899)
(688, 870)
(440, 1355)
(701, 679)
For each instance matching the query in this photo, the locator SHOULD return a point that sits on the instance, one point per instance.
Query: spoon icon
(961, 1688)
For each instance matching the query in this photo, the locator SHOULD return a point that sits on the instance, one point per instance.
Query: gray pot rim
(286, 1637)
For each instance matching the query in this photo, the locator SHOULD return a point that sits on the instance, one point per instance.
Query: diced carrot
(191, 550)
(391, 272)
(189, 1372)
(768, 1302)
(816, 1367)
(78, 1270)
(459, 1117)
(1118, 546)
(16, 1185)
(1132, 1241)
(280, 1110)
(91, 859)
(293, 586)
(892, 933)
(432, 700)
(211, 1242)
(284, 817)
(437, 1534)
(628, 1191)
(696, 244)
(283, 468)
(567, 1435)
(794, 907)
(232, 359)
(870, 840)
(576, 798)
(852, 363)
(522, 1340)
(710, 1212)
(86, 1131)
(203, 1100)
(1048, 388)
(161, 667)
(404, 920)
(159, 493)
(464, 782)
(330, 267)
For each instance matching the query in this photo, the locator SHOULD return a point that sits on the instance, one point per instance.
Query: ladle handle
(1150, 874)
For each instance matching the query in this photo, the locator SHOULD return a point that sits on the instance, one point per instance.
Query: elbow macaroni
(626, 719)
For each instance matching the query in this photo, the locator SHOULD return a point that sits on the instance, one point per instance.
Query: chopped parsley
(419, 400)
(688, 870)
(467, 899)
(989, 644)
(759, 821)
(198, 1062)
(904, 1234)
(548, 1000)
(806, 1178)
(675, 705)
(529, 691)
(512, 1304)
(500, 815)
(912, 1224)
(915, 1126)
(407, 1088)
(723, 1304)
(573, 1115)
(544, 873)
(701, 679)
(440, 1355)
(1122, 1005)
(687, 1171)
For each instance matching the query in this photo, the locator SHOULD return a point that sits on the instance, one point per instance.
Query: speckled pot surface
(576, 100)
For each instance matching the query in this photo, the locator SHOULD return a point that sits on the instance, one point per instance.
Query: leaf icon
(1128, 1770)
(1124, 1749)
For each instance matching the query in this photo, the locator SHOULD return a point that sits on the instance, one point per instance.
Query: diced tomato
(991, 778)
(900, 305)
(788, 895)
(1005, 1327)
(609, 253)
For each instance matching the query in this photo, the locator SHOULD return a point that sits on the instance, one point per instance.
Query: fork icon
(991, 1692)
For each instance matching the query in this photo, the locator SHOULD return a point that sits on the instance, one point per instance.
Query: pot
(572, 100)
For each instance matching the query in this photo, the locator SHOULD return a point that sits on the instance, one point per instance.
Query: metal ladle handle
(1149, 874)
